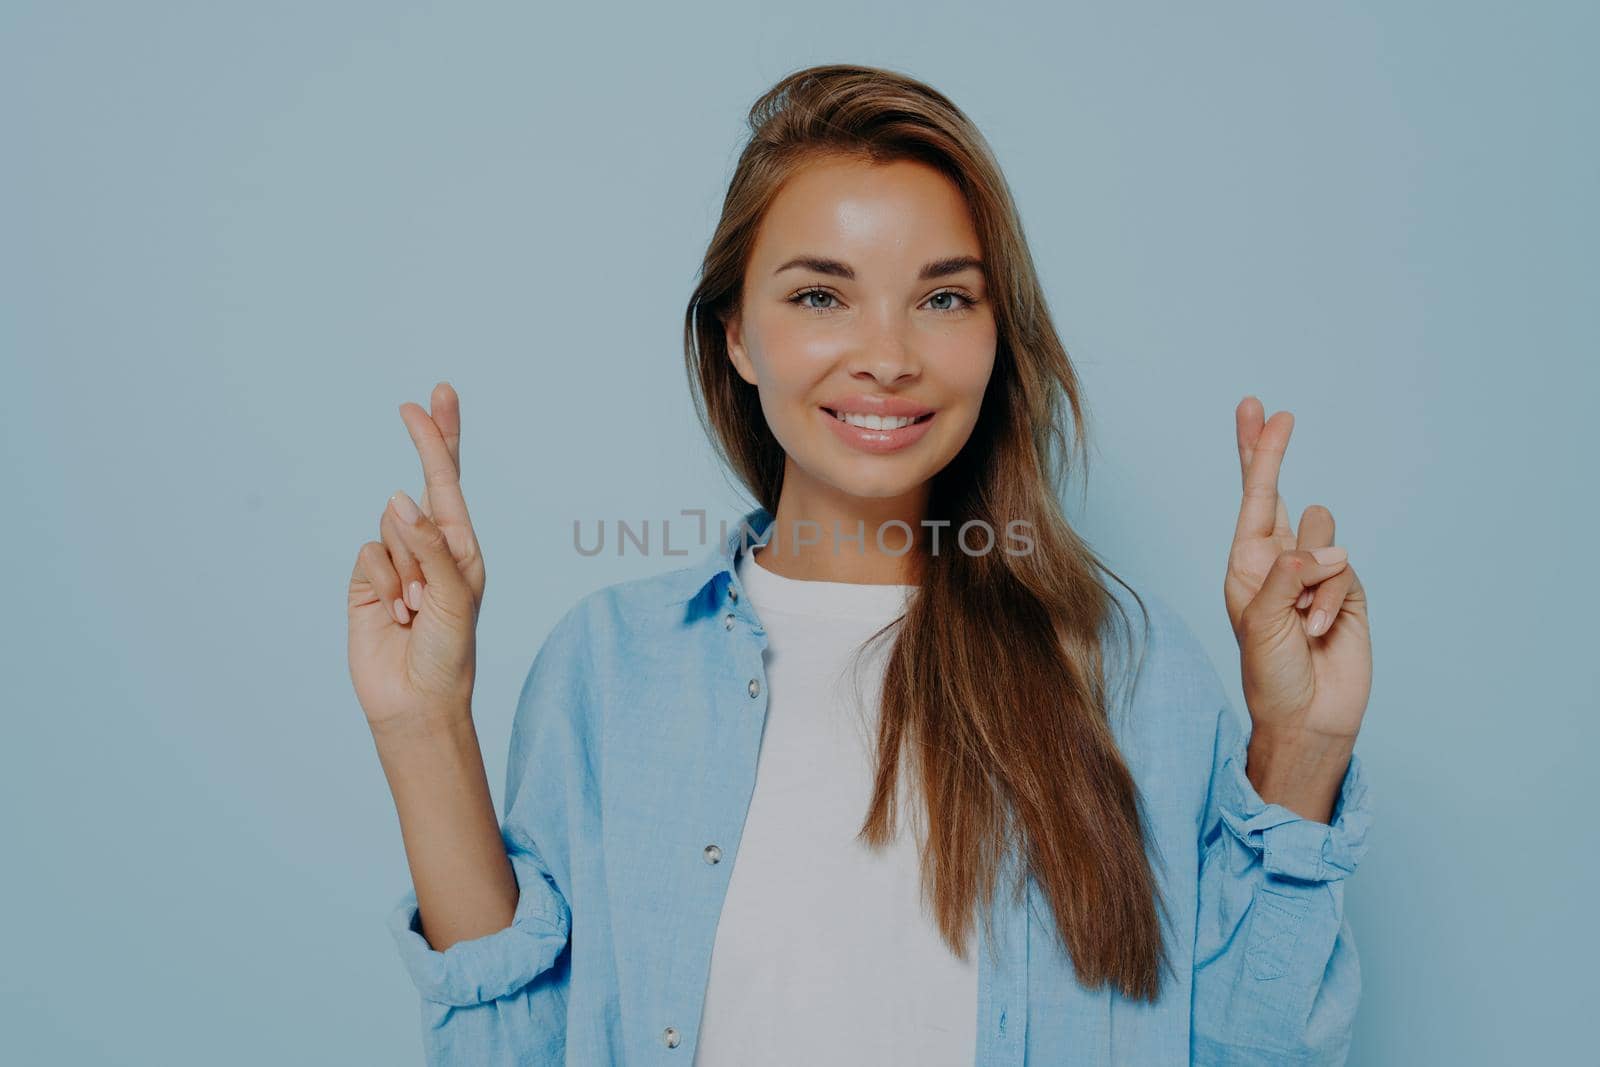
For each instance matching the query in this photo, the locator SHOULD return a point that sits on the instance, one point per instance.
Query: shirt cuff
(495, 965)
(1292, 846)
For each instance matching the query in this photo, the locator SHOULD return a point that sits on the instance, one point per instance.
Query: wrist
(444, 726)
(1299, 771)
(431, 763)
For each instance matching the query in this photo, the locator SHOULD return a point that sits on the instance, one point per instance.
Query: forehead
(861, 211)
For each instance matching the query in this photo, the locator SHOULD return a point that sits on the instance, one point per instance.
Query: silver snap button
(727, 622)
(713, 854)
(670, 1036)
(733, 594)
(755, 688)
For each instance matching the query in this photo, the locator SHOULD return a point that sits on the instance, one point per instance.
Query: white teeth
(873, 422)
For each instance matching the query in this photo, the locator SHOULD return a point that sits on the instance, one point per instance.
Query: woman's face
(864, 298)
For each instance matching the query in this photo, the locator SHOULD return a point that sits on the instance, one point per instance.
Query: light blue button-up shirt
(632, 762)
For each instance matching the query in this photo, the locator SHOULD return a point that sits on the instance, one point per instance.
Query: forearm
(459, 868)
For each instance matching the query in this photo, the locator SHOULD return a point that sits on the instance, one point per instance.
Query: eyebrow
(939, 268)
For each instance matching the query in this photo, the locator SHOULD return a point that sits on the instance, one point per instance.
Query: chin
(881, 487)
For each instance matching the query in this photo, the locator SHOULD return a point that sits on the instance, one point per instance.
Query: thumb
(427, 543)
(1293, 572)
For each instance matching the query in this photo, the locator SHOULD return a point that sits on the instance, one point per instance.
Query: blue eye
(959, 296)
(799, 298)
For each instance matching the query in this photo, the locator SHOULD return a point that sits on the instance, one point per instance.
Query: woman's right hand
(413, 647)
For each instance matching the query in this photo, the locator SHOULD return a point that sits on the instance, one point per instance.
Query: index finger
(1258, 510)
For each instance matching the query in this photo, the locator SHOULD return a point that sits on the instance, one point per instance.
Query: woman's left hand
(1305, 649)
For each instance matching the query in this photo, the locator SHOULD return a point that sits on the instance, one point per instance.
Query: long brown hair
(996, 687)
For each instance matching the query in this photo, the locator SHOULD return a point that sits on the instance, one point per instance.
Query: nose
(886, 352)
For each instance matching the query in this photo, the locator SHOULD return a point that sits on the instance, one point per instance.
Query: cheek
(788, 356)
(964, 366)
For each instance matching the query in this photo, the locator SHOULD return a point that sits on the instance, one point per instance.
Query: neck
(822, 535)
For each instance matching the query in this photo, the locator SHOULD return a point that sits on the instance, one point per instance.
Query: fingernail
(1331, 554)
(1304, 601)
(414, 596)
(400, 612)
(404, 506)
(1319, 623)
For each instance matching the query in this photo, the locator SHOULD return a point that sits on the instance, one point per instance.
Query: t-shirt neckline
(771, 591)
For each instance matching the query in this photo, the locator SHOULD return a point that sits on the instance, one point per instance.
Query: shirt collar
(710, 578)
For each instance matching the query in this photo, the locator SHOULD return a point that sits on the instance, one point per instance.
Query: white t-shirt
(825, 950)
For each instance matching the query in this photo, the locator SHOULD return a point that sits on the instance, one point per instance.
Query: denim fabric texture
(634, 752)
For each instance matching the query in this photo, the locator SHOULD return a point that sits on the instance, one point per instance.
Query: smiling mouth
(877, 422)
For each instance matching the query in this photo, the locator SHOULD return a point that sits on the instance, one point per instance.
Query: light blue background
(233, 239)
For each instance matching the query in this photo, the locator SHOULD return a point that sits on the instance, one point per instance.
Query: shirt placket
(736, 724)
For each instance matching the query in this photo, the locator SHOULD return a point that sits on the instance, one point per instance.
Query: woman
(1099, 869)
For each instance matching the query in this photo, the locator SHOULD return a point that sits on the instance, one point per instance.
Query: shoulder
(1162, 665)
(633, 618)
(650, 602)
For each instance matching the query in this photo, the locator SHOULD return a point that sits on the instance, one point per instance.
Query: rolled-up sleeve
(498, 964)
(1277, 979)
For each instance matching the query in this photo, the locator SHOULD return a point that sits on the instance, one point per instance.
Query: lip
(878, 442)
(870, 404)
